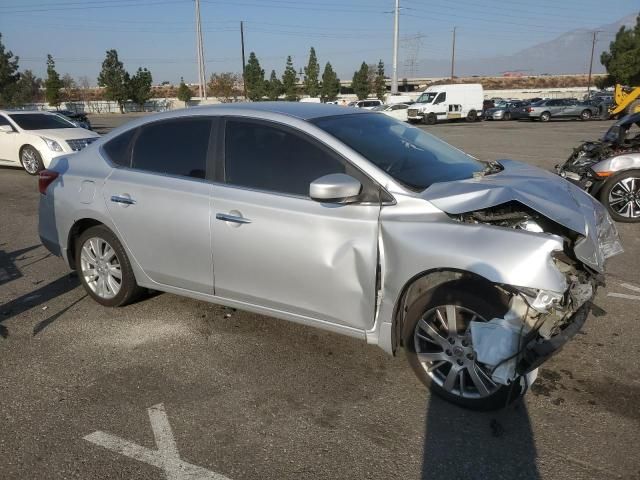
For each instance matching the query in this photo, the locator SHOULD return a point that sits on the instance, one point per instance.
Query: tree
(27, 90)
(311, 72)
(622, 61)
(360, 83)
(330, 84)
(225, 86)
(289, 80)
(139, 87)
(52, 84)
(254, 78)
(380, 86)
(70, 88)
(114, 79)
(85, 85)
(184, 92)
(9, 75)
(274, 86)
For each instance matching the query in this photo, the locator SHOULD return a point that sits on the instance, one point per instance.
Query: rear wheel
(621, 195)
(545, 116)
(437, 339)
(104, 269)
(31, 160)
(585, 115)
(472, 116)
(507, 116)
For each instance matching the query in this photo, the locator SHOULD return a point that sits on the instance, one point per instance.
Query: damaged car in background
(609, 169)
(342, 219)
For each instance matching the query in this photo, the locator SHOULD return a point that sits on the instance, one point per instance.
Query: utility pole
(202, 83)
(453, 52)
(244, 66)
(593, 47)
(394, 75)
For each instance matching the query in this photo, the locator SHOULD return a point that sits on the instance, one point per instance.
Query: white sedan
(397, 110)
(33, 139)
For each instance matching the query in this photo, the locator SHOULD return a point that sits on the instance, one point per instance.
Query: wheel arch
(77, 229)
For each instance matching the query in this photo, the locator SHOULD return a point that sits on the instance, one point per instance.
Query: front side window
(408, 154)
(173, 147)
(40, 121)
(441, 98)
(427, 97)
(266, 157)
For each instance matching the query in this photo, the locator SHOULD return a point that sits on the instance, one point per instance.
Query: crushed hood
(542, 191)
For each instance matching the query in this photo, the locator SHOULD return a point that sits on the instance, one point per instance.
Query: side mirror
(6, 129)
(336, 187)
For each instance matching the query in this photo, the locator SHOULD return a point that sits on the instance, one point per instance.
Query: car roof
(23, 112)
(303, 111)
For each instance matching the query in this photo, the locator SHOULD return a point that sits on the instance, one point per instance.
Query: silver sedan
(341, 219)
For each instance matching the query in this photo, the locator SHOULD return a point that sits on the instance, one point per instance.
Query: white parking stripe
(165, 458)
(630, 287)
(624, 295)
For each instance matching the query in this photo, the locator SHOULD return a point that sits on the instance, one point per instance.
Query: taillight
(44, 180)
(529, 109)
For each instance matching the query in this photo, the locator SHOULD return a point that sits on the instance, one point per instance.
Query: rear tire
(506, 116)
(585, 115)
(545, 116)
(31, 160)
(433, 362)
(94, 268)
(618, 194)
(472, 116)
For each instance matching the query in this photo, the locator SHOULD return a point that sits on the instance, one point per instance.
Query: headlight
(608, 239)
(52, 144)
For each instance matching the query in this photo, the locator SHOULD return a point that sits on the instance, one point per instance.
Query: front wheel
(621, 196)
(104, 269)
(586, 115)
(31, 160)
(437, 339)
(430, 119)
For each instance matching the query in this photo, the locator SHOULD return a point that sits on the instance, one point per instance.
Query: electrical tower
(411, 45)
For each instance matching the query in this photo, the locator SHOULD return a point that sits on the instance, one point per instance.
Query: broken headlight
(608, 239)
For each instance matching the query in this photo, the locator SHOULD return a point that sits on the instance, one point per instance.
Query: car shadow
(8, 268)
(33, 299)
(463, 444)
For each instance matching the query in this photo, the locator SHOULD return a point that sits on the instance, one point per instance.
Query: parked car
(78, 118)
(33, 139)
(487, 104)
(396, 110)
(561, 108)
(508, 111)
(609, 169)
(342, 219)
(367, 104)
(448, 102)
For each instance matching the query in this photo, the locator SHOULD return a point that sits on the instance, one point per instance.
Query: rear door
(160, 201)
(275, 247)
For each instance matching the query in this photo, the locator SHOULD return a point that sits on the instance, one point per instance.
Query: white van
(448, 102)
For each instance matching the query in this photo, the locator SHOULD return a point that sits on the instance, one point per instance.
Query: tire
(545, 116)
(430, 119)
(633, 107)
(31, 160)
(468, 297)
(586, 115)
(506, 116)
(622, 203)
(88, 244)
(472, 116)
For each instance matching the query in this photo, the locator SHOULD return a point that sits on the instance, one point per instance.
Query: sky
(160, 35)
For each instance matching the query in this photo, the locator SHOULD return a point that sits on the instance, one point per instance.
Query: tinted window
(40, 121)
(440, 98)
(5, 121)
(265, 157)
(410, 155)
(174, 147)
(118, 150)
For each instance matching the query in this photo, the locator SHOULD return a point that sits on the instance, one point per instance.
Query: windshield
(40, 121)
(410, 155)
(427, 97)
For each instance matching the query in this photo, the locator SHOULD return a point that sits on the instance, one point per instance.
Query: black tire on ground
(609, 186)
(506, 116)
(478, 296)
(28, 149)
(545, 116)
(472, 116)
(585, 114)
(430, 119)
(129, 289)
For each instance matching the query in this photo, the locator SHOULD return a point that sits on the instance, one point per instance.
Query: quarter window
(174, 147)
(269, 158)
(118, 150)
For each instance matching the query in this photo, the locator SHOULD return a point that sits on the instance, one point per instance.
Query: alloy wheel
(624, 197)
(101, 268)
(442, 340)
(29, 161)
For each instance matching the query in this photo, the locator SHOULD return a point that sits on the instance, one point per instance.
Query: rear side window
(173, 147)
(119, 149)
(266, 157)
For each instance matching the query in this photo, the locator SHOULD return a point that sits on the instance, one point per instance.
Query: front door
(8, 143)
(161, 205)
(275, 247)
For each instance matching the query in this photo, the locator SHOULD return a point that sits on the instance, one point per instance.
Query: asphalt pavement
(176, 388)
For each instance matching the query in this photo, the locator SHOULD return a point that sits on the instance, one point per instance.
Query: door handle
(226, 217)
(123, 200)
